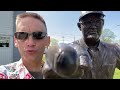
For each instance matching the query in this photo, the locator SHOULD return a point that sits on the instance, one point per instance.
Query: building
(8, 52)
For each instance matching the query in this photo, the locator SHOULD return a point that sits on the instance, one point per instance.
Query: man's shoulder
(3, 72)
(79, 41)
(76, 42)
(110, 45)
(8, 67)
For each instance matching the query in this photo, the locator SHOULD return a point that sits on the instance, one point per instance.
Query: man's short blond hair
(30, 14)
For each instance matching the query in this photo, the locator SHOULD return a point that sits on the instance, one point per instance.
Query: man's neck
(92, 43)
(34, 66)
(36, 75)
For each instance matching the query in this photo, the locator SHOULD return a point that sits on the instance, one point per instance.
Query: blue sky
(62, 25)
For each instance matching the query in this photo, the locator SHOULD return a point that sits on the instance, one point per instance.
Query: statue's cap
(85, 13)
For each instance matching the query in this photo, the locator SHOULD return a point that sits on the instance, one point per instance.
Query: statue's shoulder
(110, 45)
(79, 42)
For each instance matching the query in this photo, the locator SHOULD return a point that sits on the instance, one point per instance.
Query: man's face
(31, 48)
(91, 26)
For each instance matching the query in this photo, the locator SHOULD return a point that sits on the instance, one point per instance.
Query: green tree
(53, 42)
(108, 36)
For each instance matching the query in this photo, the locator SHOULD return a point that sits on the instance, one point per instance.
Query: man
(31, 39)
(104, 57)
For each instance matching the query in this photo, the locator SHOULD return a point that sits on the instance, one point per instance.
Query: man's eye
(88, 22)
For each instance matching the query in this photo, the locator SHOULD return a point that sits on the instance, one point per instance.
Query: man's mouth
(92, 33)
(31, 51)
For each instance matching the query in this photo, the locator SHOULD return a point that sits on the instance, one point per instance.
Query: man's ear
(15, 42)
(48, 41)
(103, 22)
(79, 26)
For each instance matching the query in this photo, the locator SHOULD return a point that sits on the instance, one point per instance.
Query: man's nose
(30, 41)
(93, 25)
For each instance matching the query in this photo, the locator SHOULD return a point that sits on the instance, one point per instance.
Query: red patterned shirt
(14, 70)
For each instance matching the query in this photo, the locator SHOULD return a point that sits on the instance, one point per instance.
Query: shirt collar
(22, 71)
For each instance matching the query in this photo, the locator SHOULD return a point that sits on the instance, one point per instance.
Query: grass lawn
(117, 74)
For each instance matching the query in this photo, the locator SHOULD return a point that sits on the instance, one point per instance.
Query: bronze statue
(62, 61)
(105, 57)
(97, 59)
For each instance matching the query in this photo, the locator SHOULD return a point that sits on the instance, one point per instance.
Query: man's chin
(92, 38)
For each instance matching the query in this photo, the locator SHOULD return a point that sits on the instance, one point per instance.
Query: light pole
(74, 38)
(63, 39)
